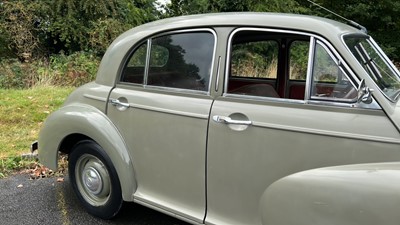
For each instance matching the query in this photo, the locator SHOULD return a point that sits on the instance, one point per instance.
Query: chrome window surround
(146, 67)
(218, 74)
(126, 59)
(313, 39)
(172, 89)
(338, 64)
(311, 52)
(380, 52)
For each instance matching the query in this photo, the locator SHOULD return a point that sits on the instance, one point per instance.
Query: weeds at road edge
(31, 166)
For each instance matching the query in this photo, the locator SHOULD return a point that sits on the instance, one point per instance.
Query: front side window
(254, 64)
(375, 64)
(298, 59)
(265, 63)
(181, 60)
(256, 59)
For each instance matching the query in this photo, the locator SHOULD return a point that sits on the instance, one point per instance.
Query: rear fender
(91, 122)
(367, 194)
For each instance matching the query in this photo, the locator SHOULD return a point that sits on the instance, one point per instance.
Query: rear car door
(271, 123)
(161, 107)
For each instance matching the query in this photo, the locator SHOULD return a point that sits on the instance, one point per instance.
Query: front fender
(367, 194)
(91, 122)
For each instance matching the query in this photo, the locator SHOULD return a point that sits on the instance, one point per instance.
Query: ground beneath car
(52, 201)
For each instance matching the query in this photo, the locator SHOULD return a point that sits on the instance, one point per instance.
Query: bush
(59, 70)
(72, 70)
(14, 74)
(103, 32)
(20, 26)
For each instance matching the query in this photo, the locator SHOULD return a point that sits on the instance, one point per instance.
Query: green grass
(22, 113)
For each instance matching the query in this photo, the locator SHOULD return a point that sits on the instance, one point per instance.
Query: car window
(264, 63)
(134, 69)
(187, 65)
(258, 59)
(159, 55)
(329, 81)
(259, 64)
(298, 59)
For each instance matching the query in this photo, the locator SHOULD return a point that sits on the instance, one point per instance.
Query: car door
(161, 107)
(259, 134)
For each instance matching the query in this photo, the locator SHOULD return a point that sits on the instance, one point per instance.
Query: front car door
(280, 115)
(161, 107)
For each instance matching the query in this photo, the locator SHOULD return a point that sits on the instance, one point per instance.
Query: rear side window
(185, 61)
(177, 60)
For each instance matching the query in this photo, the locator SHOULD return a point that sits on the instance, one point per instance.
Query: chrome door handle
(116, 102)
(228, 120)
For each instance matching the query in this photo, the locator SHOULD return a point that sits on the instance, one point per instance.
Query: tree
(381, 18)
(37, 28)
(70, 21)
(20, 28)
(182, 7)
(93, 24)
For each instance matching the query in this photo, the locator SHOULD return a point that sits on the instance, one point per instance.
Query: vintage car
(237, 118)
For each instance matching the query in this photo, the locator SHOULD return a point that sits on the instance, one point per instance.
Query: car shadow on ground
(52, 201)
(131, 213)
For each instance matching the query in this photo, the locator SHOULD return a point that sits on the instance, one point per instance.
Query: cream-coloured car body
(76, 121)
(353, 194)
(173, 153)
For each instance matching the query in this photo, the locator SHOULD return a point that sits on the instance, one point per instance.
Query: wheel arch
(352, 194)
(73, 123)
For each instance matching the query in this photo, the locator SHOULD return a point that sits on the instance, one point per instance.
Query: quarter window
(135, 67)
(330, 81)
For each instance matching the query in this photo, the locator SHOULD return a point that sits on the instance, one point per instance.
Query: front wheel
(95, 180)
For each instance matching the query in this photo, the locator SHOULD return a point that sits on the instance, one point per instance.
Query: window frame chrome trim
(218, 74)
(316, 37)
(337, 62)
(229, 49)
(146, 66)
(206, 92)
(310, 63)
(148, 52)
(126, 59)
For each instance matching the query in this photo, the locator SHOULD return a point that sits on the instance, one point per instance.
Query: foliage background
(56, 41)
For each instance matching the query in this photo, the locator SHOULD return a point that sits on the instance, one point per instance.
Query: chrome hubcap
(93, 180)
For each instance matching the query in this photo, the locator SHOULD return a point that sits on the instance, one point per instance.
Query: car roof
(322, 26)
(330, 29)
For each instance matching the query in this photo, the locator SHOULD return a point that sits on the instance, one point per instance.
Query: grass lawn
(21, 114)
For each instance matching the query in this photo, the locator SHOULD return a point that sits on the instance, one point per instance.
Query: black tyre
(95, 180)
